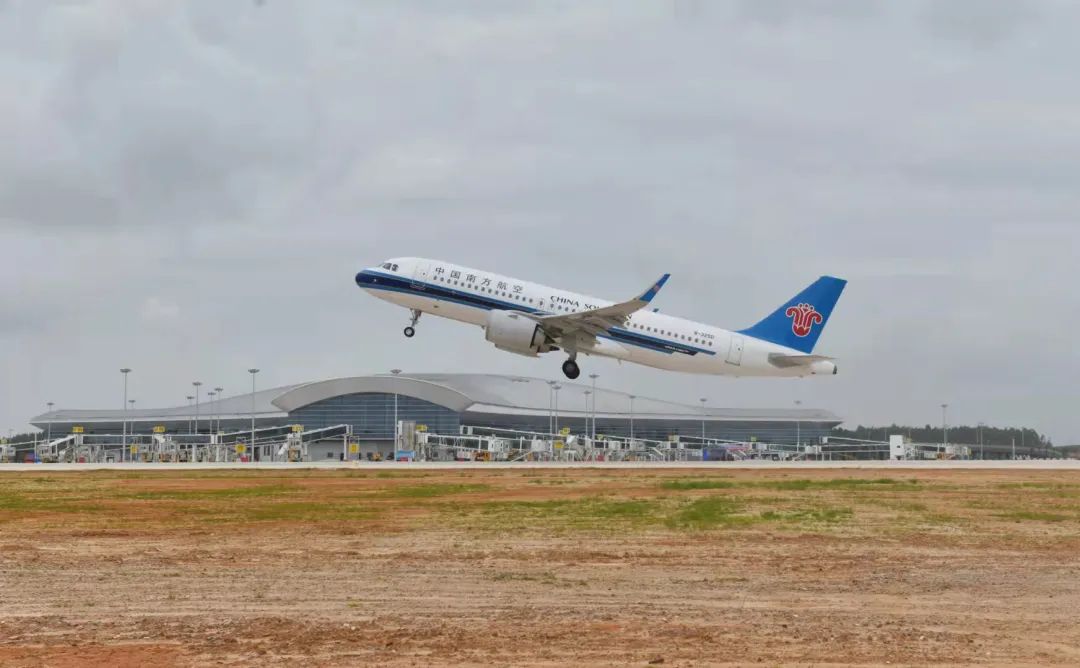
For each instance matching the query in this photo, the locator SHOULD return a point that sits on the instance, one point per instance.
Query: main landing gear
(571, 369)
(410, 331)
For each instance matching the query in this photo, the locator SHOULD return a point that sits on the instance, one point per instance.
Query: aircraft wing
(598, 320)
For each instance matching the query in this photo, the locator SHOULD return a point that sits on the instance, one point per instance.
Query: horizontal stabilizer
(788, 361)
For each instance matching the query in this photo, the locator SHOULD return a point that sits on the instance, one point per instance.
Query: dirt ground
(540, 568)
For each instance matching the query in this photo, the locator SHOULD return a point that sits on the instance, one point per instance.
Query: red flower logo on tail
(803, 318)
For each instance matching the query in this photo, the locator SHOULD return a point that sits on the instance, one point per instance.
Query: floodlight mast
(251, 446)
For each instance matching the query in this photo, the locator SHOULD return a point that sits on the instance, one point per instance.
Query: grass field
(539, 567)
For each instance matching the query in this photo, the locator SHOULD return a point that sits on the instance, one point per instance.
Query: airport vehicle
(529, 319)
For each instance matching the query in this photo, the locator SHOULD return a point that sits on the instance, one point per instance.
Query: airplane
(530, 319)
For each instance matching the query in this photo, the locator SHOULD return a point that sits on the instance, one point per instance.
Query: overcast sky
(188, 189)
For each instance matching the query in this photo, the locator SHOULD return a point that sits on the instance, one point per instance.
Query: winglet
(648, 295)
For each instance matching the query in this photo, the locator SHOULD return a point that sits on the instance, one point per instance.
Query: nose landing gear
(410, 331)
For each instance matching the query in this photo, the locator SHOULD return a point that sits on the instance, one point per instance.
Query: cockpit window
(389, 265)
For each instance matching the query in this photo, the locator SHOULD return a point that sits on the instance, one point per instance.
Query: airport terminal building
(447, 402)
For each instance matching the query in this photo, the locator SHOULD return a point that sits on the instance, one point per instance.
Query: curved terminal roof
(465, 393)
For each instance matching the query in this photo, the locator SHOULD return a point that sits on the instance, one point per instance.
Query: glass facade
(372, 415)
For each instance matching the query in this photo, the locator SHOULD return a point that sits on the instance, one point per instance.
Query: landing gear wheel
(570, 368)
(410, 331)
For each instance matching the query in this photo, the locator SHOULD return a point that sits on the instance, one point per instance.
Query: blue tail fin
(798, 323)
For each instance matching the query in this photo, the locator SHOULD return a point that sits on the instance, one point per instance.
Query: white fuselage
(649, 338)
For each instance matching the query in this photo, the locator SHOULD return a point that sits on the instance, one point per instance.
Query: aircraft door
(421, 275)
(735, 350)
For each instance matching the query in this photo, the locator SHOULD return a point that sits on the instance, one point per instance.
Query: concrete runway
(1029, 465)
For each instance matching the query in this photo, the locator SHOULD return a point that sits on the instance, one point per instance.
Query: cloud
(157, 311)
(782, 12)
(980, 23)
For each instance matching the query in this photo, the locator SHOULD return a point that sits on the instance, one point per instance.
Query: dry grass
(539, 567)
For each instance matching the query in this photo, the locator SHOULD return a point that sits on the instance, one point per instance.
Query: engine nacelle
(515, 333)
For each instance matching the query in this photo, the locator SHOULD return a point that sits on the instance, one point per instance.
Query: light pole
(594, 376)
(196, 384)
(798, 424)
(556, 387)
(123, 439)
(49, 425)
(981, 453)
(195, 442)
(631, 420)
(190, 403)
(703, 400)
(218, 407)
(252, 444)
(551, 392)
(588, 393)
(210, 394)
(395, 372)
(944, 427)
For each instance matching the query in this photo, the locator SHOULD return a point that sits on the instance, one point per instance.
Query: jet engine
(515, 333)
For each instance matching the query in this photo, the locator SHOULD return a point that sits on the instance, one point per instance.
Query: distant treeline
(958, 434)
